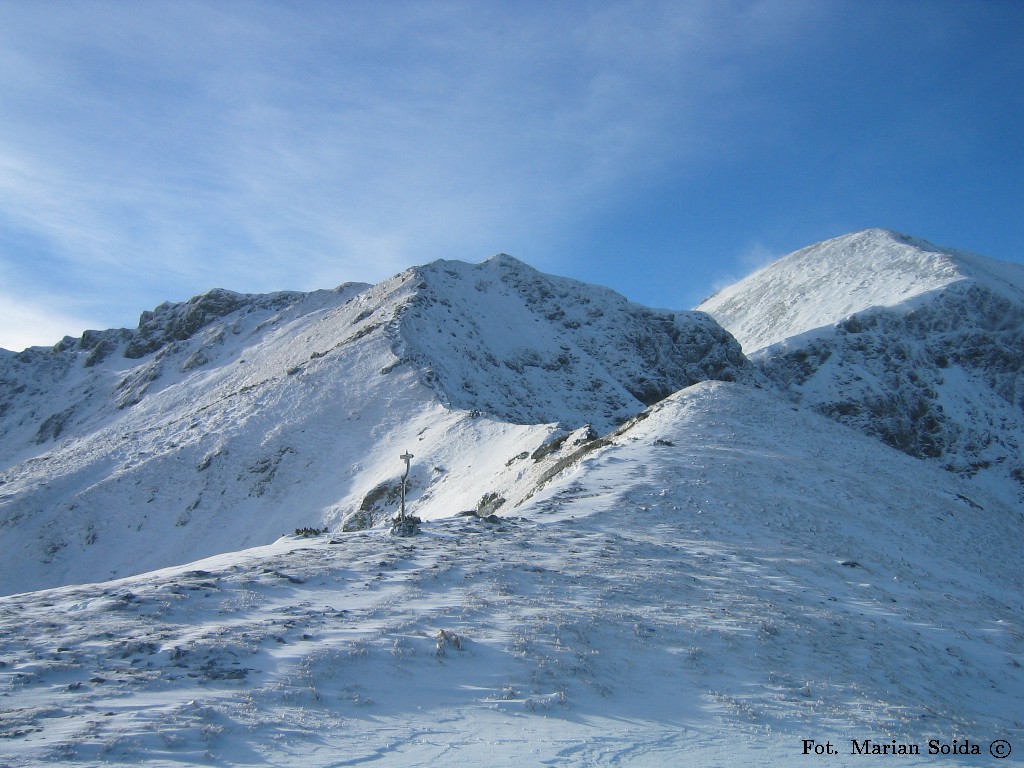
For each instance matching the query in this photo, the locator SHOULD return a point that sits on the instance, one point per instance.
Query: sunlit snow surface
(223, 422)
(822, 284)
(729, 577)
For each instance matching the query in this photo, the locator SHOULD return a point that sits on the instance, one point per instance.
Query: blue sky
(151, 151)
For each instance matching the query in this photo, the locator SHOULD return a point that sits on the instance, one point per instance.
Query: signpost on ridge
(403, 524)
(407, 457)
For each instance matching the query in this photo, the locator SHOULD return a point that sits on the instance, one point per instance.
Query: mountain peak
(504, 260)
(502, 338)
(457, 267)
(824, 283)
(907, 341)
(282, 410)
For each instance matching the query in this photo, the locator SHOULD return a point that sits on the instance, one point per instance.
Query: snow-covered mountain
(720, 581)
(822, 284)
(228, 420)
(672, 552)
(919, 346)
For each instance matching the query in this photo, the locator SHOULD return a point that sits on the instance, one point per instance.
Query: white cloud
(177, 146)
(32, 323)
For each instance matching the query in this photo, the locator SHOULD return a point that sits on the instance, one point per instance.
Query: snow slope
(919, 346)
(823, 284)
(727, 577)
(228, 420)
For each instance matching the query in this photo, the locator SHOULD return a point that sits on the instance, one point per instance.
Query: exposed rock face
(505, 339)
(942, 381)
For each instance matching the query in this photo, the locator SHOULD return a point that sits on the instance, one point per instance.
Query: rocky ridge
(228, 420)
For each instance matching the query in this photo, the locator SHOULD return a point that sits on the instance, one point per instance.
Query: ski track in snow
(694, 593)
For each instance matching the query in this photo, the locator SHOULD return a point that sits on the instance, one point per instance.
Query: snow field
(694, 591)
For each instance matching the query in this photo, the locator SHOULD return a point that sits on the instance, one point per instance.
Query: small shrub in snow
(446, 639)
(544, 701)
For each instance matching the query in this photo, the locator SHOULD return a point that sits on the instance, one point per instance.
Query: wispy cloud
(173, 146)
(752, 257)
(30, 319)
(149, 151)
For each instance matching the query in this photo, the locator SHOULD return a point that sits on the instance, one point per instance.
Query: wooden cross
(406, 457)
